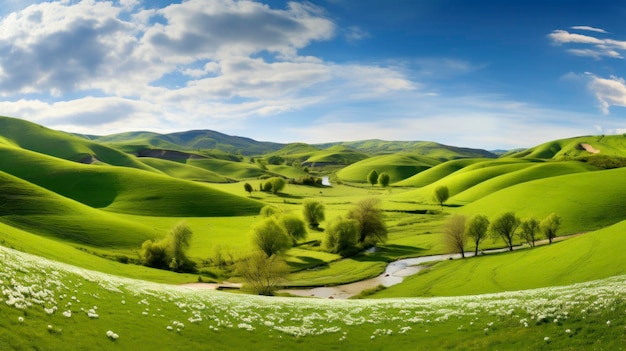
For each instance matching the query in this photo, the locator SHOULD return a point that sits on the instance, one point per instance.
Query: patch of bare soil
(590, 148)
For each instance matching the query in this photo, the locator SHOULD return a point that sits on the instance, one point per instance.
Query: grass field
(91, 216)
(61, 306)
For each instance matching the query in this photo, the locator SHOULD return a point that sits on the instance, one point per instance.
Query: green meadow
(75, 210)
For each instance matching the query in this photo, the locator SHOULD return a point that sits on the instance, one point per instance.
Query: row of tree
(458, 230)
(381, 179)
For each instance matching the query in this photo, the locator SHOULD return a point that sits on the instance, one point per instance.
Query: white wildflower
(20, 319)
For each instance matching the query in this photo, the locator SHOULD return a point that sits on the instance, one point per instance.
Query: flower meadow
(48, 305)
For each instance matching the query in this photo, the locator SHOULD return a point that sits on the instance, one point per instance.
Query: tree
(372, 228)
(504, 227)
(550, 225)
(313, 213)
(262, 274)
(268, 211)
(154, 254)
(342, 236)
(441, 195)
(372, 177)
(529, 230)
(454, 235)
(383, 180)
(179, 240)
(248, 188)
(477, 230)
(278, 184)
(270, 237)
(169, 252)
(294, 226)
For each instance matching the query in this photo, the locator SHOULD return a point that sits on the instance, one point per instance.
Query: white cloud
(591, 46)
(609, 91)
(197, 59)
(588, 28)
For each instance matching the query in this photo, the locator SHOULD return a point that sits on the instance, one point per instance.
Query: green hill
(122, 189)
(437, 172)
(591, 256)
(30, 136)
(536, 171)
(421, 148)
(398, 166)
(585, 201)
(43, 212)
(611, 145)
(192, 140)
(184, 171)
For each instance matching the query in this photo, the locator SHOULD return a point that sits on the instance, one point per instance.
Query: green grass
(61, 297)
(122, 189)
(437, 172)
(584, 201)
(609, 145)
(236, 170)
(37, 138)
(538, 171)
(398, 166)
(184, 171)
(594, 255)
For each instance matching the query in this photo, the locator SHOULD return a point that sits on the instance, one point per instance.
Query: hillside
(191, 140)
(421, 148)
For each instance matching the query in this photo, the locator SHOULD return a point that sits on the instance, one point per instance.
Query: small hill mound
(398, 166)
(471, 175)
(184, 171)
(537, 171)
(437, 172)
(336, 155)
(229, 169)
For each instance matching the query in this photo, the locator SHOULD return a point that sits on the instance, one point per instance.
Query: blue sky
(486, 74)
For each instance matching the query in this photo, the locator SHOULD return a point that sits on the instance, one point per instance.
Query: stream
(395, 272)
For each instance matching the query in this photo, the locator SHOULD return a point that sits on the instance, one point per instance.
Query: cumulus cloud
(609, 91)
(190, 61)
(588, 45)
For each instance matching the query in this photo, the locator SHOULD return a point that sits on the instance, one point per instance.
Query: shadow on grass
(307, 262)
(389, 253)
(289, 196)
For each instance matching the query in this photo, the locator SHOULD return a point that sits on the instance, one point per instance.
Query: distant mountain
(421, 148)
(191, 140)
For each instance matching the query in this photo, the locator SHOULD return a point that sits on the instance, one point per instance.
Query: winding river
(395, 272)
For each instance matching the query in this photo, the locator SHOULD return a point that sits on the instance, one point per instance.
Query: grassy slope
(116, 188)
(469, 176)
(398, 166)
(613, 145)
(43, 212)
(585, 201)
(421, 148)
(591, 256)
(152, 316)
(184, 171)
(538, 171)
(37, 138)
(437, 172)
(236, 170)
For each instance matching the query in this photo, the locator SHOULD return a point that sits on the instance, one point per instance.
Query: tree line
(507, 227)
